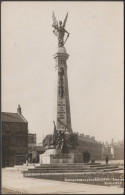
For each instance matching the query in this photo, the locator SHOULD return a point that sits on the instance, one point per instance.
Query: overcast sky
(95, 65)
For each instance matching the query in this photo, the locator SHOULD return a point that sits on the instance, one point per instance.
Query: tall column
(63, 104)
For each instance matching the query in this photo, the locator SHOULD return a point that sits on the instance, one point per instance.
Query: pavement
(112, 162)
(6, 191)
(14, 180)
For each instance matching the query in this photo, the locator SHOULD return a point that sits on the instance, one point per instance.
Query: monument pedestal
(52, 156)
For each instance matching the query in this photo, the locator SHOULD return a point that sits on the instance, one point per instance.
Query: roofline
(10, 112)
(13, 122)
(25, 121)
(23, 118)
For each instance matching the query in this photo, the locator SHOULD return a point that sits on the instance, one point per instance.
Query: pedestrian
(30, 157)
(87, 157)
(107, 159)
(84, 156)
(37, 157)
(27, 159)
(34, 158)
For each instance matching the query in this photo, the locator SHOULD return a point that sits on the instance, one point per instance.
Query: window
(13, 141)
(24, 142)
(18, 142)
(7, 128)
(6, 141)
(18, 128)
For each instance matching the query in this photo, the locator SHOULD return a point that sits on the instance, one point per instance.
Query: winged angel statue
(59, 30)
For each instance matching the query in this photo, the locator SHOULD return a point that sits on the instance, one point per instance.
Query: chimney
(19, 110)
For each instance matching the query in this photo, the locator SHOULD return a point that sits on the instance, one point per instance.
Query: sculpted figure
(59, 30)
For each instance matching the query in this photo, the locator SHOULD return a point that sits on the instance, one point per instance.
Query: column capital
(61, 56)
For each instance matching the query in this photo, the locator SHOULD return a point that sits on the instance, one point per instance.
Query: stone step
(76, 167)
(102, 165)
(65, 168)
(73, 166)
(105, 167)
(31, 173)
(108, 170)
(68, 164)
(70, 170)
(56, 171)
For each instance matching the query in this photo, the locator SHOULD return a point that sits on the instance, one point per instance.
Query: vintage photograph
(62, 97)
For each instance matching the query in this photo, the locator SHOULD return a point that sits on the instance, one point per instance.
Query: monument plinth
(63, 148)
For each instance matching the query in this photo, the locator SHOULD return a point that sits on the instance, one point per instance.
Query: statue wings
(64, 23)
(55, 23)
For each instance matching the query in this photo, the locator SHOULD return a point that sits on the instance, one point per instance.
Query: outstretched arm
(67, 33)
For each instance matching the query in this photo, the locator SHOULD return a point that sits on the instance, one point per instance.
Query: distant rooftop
(13, 117)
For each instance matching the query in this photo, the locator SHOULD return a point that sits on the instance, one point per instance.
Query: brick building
(87, 143)
(119, 150)
(14, 138)
(31, 142)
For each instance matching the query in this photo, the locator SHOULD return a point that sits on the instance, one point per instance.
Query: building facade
(115, 151)
(119, 151)
(14, 138)
(31, 142)
(89, 144)
(108, 150)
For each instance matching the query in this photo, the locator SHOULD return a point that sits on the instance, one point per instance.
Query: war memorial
(61, 155)
(63, 148)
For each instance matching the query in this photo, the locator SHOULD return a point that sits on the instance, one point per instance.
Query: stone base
(52, 156)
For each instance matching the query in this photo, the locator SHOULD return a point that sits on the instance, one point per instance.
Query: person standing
(88, 156)
(27, 159)
(37, 157)
(30, 157)
(85, 156)
(107, 159)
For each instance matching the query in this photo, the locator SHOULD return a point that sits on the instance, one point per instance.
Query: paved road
(14, 180)
(6, 191)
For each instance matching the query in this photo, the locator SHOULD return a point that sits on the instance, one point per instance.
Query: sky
(95, 65)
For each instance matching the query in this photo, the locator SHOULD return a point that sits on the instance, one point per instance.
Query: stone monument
(63, 148)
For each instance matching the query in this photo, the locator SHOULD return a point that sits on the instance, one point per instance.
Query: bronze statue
(59, 30)
(61, 142)
(54, 134)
